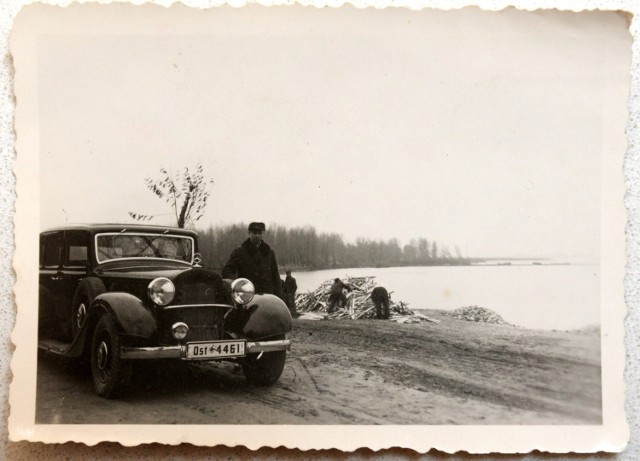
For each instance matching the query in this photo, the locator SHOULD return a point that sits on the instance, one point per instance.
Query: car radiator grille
(196, 293)
(206, 323)
(197, 286)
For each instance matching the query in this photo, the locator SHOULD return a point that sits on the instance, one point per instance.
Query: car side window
(76, 249)
(50, 250)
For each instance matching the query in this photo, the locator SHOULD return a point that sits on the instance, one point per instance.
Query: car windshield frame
(148, 238)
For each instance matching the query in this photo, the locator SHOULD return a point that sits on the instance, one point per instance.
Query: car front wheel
(264, 370)
(110, 373)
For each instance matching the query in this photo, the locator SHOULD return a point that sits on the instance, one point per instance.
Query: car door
(51, 278)
(75, 263)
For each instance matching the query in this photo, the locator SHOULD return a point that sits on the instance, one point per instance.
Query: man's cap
(257, 226)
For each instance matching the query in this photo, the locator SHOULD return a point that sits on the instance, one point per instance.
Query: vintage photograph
(321, 218)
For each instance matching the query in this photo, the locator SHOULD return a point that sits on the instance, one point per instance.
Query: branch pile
(478, 314)
(359, 303)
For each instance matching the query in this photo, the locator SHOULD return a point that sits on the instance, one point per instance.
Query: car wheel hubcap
(81, 315)
(103, 360)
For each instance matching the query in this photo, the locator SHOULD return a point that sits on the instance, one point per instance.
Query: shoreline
(482, 263)
(435, 313)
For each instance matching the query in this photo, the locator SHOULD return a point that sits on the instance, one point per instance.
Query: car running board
(54, 346)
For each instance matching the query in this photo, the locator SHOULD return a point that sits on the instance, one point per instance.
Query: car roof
(112, 227)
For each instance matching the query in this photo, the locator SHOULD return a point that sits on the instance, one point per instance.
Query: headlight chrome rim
(242, 291)
(161, 291)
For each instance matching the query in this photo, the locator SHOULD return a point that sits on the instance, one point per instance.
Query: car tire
(266, 370)
(110, 373)
(87, 291)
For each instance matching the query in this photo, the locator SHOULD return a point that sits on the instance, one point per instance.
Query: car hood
(193, 284)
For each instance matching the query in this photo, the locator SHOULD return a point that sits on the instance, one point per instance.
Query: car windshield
(130, 245)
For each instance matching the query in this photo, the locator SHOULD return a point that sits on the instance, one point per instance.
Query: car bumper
(180, 352)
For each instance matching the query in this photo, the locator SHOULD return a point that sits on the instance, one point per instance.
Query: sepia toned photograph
(336, 224)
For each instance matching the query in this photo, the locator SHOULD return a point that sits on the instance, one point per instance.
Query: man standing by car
(290, 288)
(256, 261)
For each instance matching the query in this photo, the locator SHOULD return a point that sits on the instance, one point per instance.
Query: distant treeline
(304, 248)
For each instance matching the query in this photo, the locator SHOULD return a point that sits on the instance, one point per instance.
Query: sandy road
(359, 372)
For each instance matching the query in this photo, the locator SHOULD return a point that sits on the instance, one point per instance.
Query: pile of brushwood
(359, 303)
(478, 314)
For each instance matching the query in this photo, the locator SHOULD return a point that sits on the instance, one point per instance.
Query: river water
(545, 297)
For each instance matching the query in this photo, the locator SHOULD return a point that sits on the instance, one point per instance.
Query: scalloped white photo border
(514, 439)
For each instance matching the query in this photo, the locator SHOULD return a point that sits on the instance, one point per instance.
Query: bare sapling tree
(187, 193)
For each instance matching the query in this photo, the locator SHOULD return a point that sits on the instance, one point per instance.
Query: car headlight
(242, 291)
(161, 291)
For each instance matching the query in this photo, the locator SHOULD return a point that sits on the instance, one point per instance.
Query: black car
(115, 294)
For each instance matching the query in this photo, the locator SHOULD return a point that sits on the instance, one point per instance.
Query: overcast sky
(471, 128)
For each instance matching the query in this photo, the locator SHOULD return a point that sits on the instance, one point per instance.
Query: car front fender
(133, 318)
(268, 316)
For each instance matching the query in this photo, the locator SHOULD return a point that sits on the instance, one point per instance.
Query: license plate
(216, 349)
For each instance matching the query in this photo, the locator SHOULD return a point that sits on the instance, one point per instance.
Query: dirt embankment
(363, 372)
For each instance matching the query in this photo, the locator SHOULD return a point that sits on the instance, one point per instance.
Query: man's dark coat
(380, 295)
(257, 264)
(290, 285)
